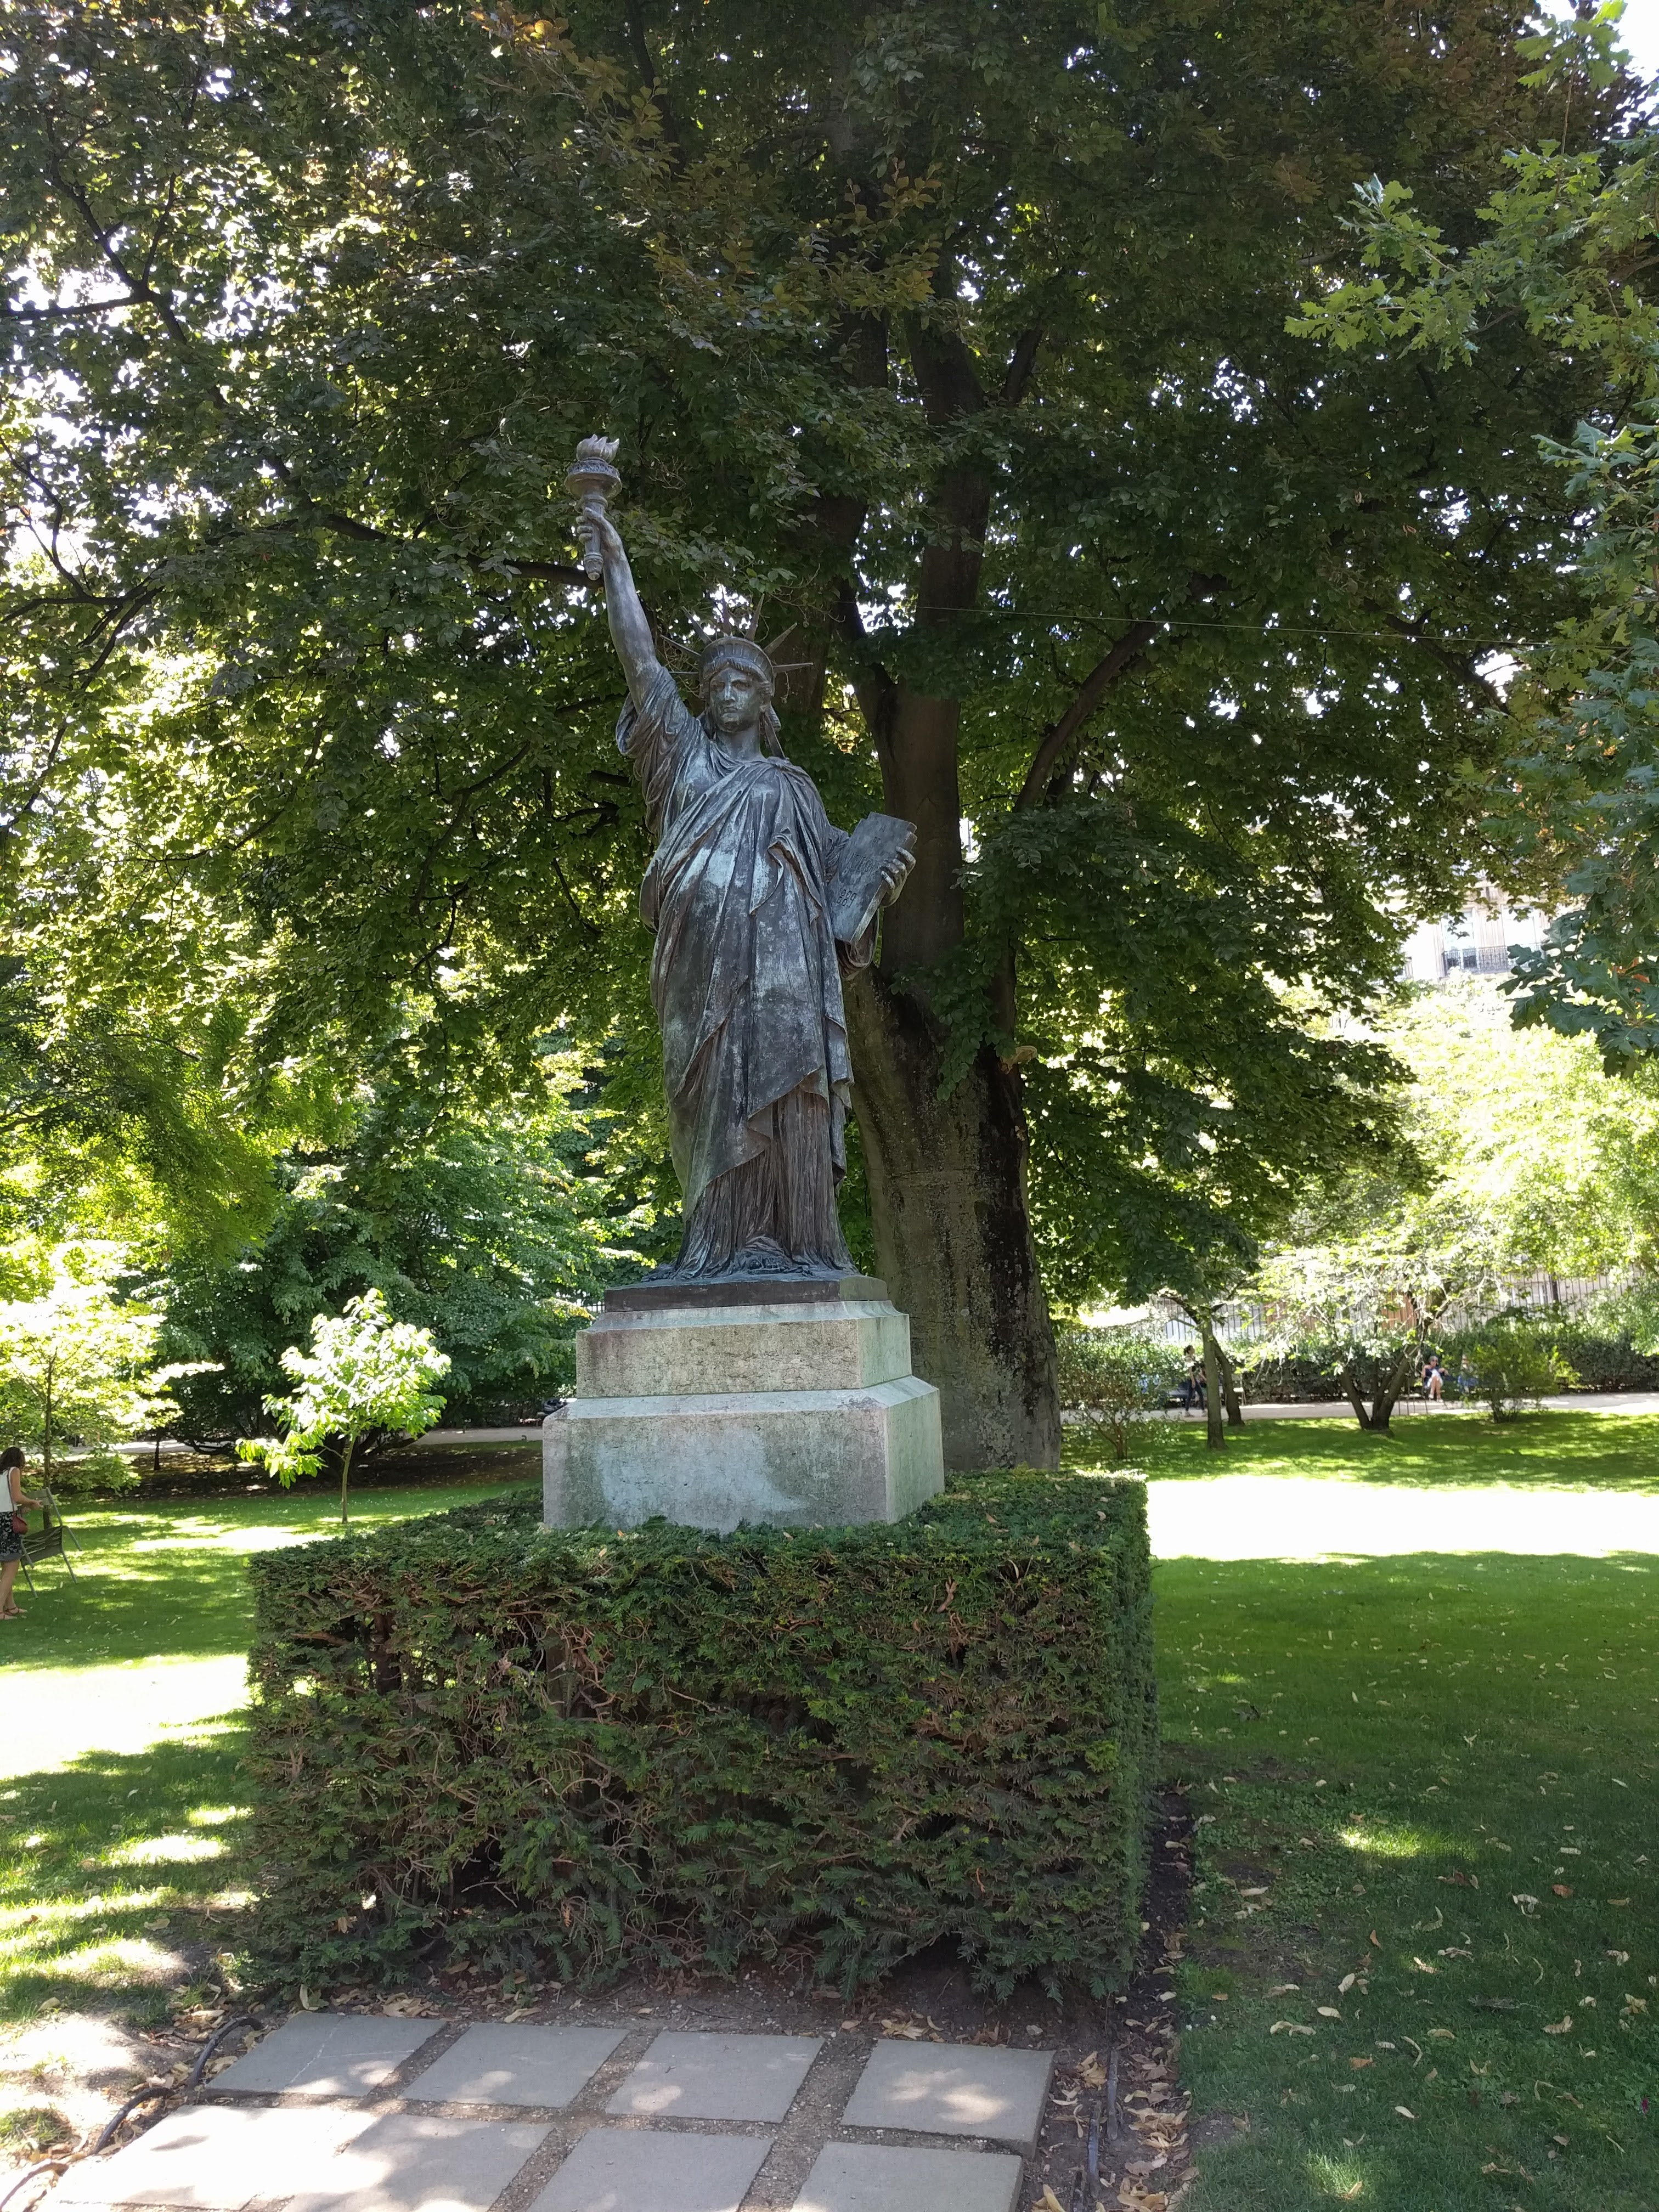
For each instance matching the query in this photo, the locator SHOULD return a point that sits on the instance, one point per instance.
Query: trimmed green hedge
(477, 1737)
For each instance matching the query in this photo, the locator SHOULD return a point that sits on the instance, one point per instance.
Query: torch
(592, 481)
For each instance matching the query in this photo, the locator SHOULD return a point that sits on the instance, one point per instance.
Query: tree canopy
(950, 340)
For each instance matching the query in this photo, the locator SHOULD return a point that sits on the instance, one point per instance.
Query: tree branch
(1129, 649)
(1020, 367)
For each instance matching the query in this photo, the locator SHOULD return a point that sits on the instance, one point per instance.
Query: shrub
(475, 1734)
(1510, 1364)
(1117, 1384)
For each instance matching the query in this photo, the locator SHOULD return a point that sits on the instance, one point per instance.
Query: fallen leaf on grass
(1619, 1957)
(1328, 2012)
(1345, 1984)
(1048, 2202)
(1404, 2113)
(1291, 1988)
(1145, 2164)
(1357, 2063)
(1618, 1901)
(1526, 1903)
(1442, 2035)
(1289, 2027)
(1559, 1889)
(1561, 2026)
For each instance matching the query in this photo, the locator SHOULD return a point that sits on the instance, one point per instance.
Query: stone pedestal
(784, 1401)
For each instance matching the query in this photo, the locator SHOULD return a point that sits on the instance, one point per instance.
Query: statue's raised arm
(592, 480)
(757, 902)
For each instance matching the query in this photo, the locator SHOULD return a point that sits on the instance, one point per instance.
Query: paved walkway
(352, 2112)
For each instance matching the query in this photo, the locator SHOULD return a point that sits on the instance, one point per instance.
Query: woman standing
(12, 1463)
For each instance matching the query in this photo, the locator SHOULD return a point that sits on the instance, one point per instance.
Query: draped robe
(745, 976)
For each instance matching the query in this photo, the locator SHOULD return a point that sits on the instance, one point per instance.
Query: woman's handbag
(20, 1526)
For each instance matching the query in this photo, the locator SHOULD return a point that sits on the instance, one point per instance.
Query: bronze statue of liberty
(759, 904)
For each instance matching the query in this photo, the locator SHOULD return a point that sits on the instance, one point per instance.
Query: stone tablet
(623, 2169)
(216, 2158)
(499, 2064)
(420, 2162)
(953, 2089)
(329, 2054)
(870, 2177)
(693, 2076)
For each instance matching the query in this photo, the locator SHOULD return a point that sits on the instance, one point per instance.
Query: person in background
(12, 1463)
(1434, 1379)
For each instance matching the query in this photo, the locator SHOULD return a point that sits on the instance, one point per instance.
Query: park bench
(46, 1542)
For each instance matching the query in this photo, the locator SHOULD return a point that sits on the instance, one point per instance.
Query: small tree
(1513, 1364)
(364, 1371)
(75, 1361)
(1117, 1382)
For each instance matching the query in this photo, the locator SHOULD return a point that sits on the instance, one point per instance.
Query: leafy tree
(1521, 1155)
(951, 337)
(1567, 245)
(364, 1372)
(492, 1234)
(76, 1362)
(1525, 1135)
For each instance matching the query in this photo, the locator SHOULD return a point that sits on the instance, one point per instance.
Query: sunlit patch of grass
(121, 1963)
(1577, 1452)
(120, 1824)
(159, 1851)
(1341, 2179)
(1384, 1841)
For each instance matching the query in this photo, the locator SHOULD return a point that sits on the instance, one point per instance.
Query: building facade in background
(1476, 943)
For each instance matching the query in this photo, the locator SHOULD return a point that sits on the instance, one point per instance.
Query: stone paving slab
(696, 2076)
(329, 2054)
(952, 2089)
(215, 2158)
(421, 2162)
(498, 2064)
(627, 2170)
(870, 2178)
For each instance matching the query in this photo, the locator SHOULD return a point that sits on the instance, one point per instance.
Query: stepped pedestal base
(791, 1404)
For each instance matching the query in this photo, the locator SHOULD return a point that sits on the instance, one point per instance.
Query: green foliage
(666, 1747)
(1117, 1382)
(1565, 246)
(364, 1372)
(314, 302)
(78, 1364)
(1508, 1365)
(491, 1232)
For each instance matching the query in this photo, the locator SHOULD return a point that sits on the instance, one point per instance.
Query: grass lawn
(1423, 1963)
(118, 1819)
(1426, 1761)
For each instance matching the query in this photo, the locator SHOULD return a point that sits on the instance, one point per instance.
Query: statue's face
(735, 699)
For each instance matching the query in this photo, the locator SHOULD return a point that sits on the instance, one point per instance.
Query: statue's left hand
(896, 873)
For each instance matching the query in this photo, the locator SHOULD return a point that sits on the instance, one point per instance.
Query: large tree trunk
(953, 1237)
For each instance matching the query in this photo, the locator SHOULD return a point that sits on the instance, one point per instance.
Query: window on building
(1460, 953)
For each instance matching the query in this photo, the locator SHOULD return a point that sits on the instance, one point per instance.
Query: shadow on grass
(121, 1879)
(154, 1579)
(1419, 1952)
(1600, 1451)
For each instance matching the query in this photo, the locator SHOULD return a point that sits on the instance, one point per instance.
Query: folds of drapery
(745, 976)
